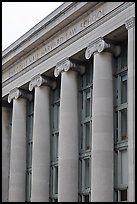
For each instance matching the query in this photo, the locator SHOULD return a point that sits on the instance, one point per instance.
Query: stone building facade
(68, 107)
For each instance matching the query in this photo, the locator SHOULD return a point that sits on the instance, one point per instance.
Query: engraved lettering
(58, 40)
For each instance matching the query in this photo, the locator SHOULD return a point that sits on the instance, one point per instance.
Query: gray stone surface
(18, 152)
(68, 139)
(102, 130)
(5, 152)
(40, 51)
(130, 24)
(41, 146)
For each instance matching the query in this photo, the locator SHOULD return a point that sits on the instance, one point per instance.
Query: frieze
(54, 42)
(76, 28)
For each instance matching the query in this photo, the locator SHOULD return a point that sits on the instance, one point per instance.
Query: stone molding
(16, 93)
(68, 42)
(100, 45)
(66, 65)
(40, 80)
(130, 23)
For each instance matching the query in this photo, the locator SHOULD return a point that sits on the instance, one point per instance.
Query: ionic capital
(100, 45)
(16, 93)
(66, 65)
(40, 80)
(130, 23)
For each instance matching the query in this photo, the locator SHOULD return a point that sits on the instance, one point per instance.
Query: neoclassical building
(68, 107)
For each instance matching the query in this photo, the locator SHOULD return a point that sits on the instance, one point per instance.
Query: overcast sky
(19, 17)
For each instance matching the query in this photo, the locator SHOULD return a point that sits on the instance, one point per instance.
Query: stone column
(6, 109)
(41, 140)
(130, 25)
(18, 147)
(68, 132)
(102, 121)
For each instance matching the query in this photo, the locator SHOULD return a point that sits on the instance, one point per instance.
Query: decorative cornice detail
(100, 45)
(130, 23)
(110, 15)
(16, 93)
(40, 80)
(66, 65)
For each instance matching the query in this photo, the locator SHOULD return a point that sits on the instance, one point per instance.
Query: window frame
(85, 86)
(55, 105)
(29, 146)
(119, 143)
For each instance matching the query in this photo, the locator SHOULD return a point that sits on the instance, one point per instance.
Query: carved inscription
(58, 40)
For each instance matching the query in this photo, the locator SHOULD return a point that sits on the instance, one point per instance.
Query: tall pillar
(5, 150)
(130, 25)
(18, 147)
(102, 122)
(68, 132)
(41, 140)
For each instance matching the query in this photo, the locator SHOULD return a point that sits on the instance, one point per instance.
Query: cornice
(58, 19)
(71, 40)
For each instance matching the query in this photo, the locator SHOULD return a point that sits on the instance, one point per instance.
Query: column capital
(16, 93)
(65, 65)
(130, 23)
(99, 45)
(39, 80)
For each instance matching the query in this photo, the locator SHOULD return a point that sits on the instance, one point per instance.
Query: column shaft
(131, 114)
(41, 146)
(5, 152)
(102, 129)
(18, 152)
(68, 139)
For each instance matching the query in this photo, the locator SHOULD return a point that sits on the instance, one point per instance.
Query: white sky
(19, 17)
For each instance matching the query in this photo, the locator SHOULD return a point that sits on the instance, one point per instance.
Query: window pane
(56, 116)
(80, 175)
(55, 200)
(30, 154)
(81, 105)
(55, 147)
(124, 89)
(124, 55)
(79, 198)
(28, 186)
(124, 167)
(87, 173)
(87, 103)
(123, 124)
(81, 138)
(115, 168)
(124, 195)
(56, 180)
(86, 198)
(87, 141)
(116, 196)
(116, 126)
(115, 91)
(88, 76)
